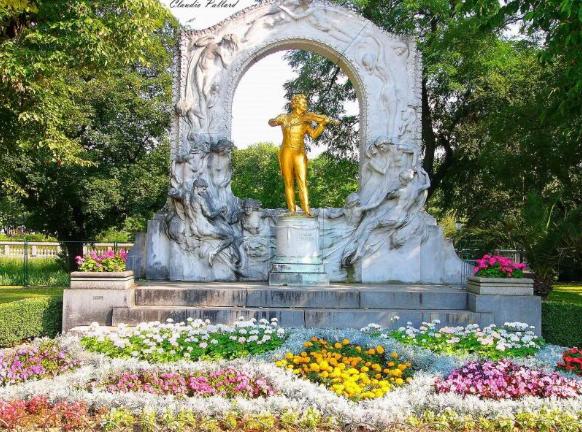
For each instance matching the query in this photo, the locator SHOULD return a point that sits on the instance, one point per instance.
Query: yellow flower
(399, 381)
(337, 345)
(358, 348)
(380, 349)
(346, 341)
(394, 355)
(314, 367)
(307, 344)
(371, 351)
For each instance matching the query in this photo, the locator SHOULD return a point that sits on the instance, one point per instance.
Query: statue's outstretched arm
(277, 121)
(315, 133)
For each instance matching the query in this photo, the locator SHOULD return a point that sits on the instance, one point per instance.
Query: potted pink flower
(499, 275)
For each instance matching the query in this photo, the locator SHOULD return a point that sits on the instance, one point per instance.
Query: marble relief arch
(382, 233)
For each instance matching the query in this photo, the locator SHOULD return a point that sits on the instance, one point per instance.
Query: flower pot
(102, 280)
(500, 286)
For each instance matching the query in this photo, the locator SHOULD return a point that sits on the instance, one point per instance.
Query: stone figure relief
(209, 56)
(258, 240)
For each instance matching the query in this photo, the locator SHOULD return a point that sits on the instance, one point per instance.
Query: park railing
(24, 263)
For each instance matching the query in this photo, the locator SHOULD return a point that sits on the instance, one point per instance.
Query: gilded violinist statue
(292, 156)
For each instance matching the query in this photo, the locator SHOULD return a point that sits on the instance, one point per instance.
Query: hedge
(29, 318)
(562, 323)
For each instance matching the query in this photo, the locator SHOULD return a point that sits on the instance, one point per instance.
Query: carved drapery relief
(218, 230)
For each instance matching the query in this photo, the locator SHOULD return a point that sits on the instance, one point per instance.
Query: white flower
(203, 345)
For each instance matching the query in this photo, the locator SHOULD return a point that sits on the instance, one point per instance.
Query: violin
(320, 118)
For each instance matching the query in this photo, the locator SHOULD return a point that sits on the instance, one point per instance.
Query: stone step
(336, 297)
(299, 317)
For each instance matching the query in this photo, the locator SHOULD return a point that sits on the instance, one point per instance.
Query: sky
(260, 94)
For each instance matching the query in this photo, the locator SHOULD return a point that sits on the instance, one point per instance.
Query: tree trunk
(72, 250)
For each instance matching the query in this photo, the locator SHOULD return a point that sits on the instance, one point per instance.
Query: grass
(10, 294)
(40, 272)
(567, 292)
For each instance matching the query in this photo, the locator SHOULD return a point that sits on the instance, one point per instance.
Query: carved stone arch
(307, 45)
(205, 233)
(384, 68)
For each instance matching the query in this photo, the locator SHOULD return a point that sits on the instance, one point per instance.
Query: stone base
(298, 261)
(500, 286)
(335, 306)
(92, 297)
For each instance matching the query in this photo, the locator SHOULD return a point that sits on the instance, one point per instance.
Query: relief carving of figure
(210, 223)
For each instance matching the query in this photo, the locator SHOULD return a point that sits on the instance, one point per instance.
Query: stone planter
(93, 295)
(102, 280)
(500, 286)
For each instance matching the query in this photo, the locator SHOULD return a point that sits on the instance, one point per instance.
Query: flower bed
(195, 340)
(38, 413)
(302, 400)
(348, 370)
(507, 380)
(34, 362)
(497, 266)
(227, 383)
(511, 340)
(572, 361)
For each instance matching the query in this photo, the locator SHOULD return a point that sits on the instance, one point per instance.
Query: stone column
(298, 261)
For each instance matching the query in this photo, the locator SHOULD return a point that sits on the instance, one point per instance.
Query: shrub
(30, 318)
(507, 380)
(562, 323)
(348, 370)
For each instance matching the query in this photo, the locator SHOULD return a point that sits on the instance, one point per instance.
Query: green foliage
(86, 94)
(29, 318)
(38, 272)
(562, 323)
(256, 175)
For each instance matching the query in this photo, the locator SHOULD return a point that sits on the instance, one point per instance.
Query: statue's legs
(300, 165)
(286, 164)
(293, 164)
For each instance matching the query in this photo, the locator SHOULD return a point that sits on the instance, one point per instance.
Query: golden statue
(292, 157)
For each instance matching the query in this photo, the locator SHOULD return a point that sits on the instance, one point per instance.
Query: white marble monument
(205, 233)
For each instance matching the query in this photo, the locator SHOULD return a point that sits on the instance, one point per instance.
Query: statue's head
(406, 176)
(250, 205)
(299, 103)
(382, 144)
(200, 185)
(221, 146)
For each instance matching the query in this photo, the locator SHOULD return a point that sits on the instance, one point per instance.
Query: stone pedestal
(298, 261)
(93, 295)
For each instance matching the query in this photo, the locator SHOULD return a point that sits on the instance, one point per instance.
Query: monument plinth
(298, 261)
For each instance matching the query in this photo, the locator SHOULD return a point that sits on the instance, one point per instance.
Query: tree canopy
(85, 109)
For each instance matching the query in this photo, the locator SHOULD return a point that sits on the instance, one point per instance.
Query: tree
(85, 109)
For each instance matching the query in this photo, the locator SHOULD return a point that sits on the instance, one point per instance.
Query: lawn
(36, 272)
(11, 293)
(567, 292)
